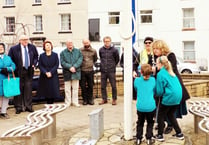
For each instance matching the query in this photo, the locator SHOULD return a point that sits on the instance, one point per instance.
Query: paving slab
(73, 125)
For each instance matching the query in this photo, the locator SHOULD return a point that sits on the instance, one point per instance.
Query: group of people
(161, 94)
(77, 66)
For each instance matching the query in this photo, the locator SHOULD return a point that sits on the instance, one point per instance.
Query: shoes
(29, 110)
(84, 103)
(168, 130)
(150, 141)
(114, 102)
(76, 104)
(4, 116)
(91, 102)
(103, 102)
(18, 111)
(159, 137)
(138, 141)
(179, 136)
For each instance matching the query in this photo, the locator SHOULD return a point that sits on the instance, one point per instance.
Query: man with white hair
(25, 57)
(71, 59)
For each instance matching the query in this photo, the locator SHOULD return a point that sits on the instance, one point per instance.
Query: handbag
(11, 86)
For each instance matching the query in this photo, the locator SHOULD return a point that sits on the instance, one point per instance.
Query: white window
(9, 2)
(10, 24)
(188, 18)
(65, 22)
(38, 23)
(146, 16)
(37, 1)
(114, 17)
(189, 50)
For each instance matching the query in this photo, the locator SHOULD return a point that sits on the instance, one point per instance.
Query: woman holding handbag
(6, 67)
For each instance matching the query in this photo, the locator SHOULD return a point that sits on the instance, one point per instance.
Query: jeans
(112, 78)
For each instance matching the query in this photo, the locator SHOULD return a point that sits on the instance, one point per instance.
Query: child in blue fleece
(145, 88)
(169, 87)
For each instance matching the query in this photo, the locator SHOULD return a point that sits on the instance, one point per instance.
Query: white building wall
(167, 24)
(100, 9)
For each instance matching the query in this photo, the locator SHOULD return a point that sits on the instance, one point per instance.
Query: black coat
(109, 59)
(16, 56)
(48, 87)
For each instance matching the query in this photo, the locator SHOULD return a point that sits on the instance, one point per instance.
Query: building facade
(181, 23)
(54, 20)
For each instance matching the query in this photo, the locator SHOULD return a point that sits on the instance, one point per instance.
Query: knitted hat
(148, 38)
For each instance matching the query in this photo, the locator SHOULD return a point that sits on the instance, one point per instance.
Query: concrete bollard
(96, 124)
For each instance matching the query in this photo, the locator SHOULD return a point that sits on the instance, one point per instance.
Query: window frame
(114, 17)
(35, 3)
(148, 14)
(37, 25)
(69, 24)
(186, 19)
(9, 2)
(60, 2)
(187, 52)
(95, 29)
(10, 25)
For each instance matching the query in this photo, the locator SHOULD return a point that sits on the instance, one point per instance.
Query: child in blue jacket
(145, 88)
(169, 88)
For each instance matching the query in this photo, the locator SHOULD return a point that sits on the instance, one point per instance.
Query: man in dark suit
(25, 57)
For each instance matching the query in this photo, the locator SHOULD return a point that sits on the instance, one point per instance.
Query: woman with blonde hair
(168, 88)
(160, 48)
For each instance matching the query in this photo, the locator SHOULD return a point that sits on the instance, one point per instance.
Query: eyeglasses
(147, 42)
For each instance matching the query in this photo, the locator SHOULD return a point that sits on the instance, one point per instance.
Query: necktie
(26, 58)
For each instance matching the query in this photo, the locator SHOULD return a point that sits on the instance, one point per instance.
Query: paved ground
(73, 125)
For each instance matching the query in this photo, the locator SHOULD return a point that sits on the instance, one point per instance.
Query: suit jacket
(16, 56)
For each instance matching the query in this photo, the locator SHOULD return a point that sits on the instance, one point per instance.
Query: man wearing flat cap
(25, 57)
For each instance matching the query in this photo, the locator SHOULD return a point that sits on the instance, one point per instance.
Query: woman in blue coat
(6, 67)
(48, 86)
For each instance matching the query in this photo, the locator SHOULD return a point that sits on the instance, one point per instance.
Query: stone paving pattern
(73, 125)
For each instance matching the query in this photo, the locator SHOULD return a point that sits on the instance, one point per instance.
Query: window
(189, 50)
(37, 1)
(63, 44)
(188, 18)
(64, 1)
(94, 34)
(146, 16)
(9, 2)
(114, 17)
(10, 24)
(117, 45)
(65, 22)
(38, 23)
